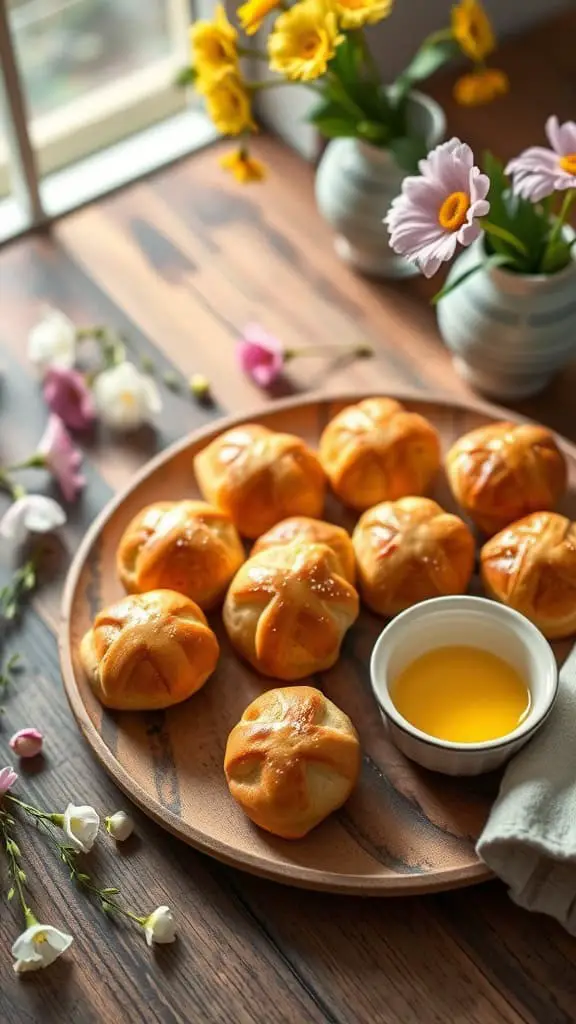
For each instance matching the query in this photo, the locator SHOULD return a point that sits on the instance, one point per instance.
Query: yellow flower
(253, 12)
(472, 29)
(304, 39)
(243, 167)
(355, 13)
(213, 47)
(228, 104)
(480, 87)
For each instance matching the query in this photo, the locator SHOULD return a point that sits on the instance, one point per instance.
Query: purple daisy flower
(440, 208)
(538, 172)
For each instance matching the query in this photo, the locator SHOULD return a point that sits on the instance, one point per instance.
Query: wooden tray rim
(294, 875)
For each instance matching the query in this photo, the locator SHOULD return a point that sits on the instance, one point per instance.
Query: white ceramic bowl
(473, 622)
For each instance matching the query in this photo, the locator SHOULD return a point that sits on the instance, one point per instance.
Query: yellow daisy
(355, 13)
(303, 40)
(228, 104)
(243, 167)
(472, 29)
(252, 14)
(214, 49)
(480, 87)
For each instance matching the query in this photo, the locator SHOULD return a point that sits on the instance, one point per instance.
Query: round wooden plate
(404, 830)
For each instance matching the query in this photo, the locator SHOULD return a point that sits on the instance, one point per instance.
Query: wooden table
(180, 264)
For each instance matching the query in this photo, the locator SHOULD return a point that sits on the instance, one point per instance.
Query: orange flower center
(568, 163)
(452, 213)
(309, 45)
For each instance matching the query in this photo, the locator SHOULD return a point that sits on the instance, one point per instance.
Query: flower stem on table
(14, 594)
(17, 875)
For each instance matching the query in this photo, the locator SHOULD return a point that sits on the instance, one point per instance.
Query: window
(92, 73)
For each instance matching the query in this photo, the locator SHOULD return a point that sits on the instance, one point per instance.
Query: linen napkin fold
(529, 840)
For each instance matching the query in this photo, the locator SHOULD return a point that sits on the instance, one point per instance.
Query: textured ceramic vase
(355, 184)
(509, 333)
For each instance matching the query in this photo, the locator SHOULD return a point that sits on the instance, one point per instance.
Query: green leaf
(373, 132)
(111, 890)
(408, 151)
(186, 76)
(497, 260)
(10, 894)
(326, 108)
(427, 60)
(336, 127)
(347, 61)
(556, 257)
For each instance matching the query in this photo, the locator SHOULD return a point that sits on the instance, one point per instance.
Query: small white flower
(81, 826)
(120, 826)
(32, 514)
(126, 398)
(52, 341)
(160, 926)
(39, 946)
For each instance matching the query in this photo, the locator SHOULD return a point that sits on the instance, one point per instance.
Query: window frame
(37, 151)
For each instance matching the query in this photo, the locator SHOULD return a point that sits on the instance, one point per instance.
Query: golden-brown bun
(411, 550)
(287, 610)
(187, 546)
(291, 760)
(301, 530)
(531, 567)
(378, 451)
(148, 651)
(259, 477)
(502, 472)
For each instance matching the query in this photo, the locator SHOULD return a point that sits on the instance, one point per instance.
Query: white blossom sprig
(39, 945)
(159, 926)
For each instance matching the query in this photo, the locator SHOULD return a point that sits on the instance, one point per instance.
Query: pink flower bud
(27, 742)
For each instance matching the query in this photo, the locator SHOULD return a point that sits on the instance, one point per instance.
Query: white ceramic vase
(508, 333)
(355, 184)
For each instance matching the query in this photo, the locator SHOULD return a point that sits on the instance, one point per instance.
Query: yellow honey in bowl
(461, 694)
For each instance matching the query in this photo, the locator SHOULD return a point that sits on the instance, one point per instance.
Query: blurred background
(80, 78)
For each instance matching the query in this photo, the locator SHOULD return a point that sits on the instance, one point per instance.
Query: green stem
(36, 461)
(369, 57)
(246, 51)
(505, 235)
(567, 202)
(270, 83)
(84, 882)
(441, 36)
(14, 490)
(34, 811)
(11, 848)
(318, 350)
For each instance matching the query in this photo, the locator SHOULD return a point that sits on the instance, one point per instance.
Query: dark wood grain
(180, 264)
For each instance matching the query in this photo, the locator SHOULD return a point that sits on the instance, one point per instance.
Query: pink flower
(439, 209)
(260, 355)
(27, 742)
(7, 779)
(58, 452)
(538, 172)
(66, 394)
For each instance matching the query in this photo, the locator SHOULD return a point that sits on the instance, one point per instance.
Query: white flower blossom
(39, 946)
(81, 826)
(34, 513)
(119, 825)
(52, 342)
(126, 398)
(160, 926)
